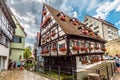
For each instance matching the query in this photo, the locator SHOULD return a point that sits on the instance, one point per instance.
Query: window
(70, 43)
(96, 27)
(17, 39)
(97, 32)
(77, 43)
(62, 45)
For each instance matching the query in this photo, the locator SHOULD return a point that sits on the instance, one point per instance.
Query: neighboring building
(38, 55)
(66, 42)
(104, 28)
(18, 42)
(7, 29)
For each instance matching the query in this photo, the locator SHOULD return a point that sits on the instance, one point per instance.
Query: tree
(27, 53)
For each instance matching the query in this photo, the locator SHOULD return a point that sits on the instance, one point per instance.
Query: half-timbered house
(67, 42)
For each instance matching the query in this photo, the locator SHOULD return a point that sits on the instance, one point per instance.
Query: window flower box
(103, 49)
(83, 49)
(63, 49)
(44, 12)
(74, 23)
(84, 62)
(45, 21)
(42, 52)
(77, 48)
(46, 51)
(53, 49)
(62, 18)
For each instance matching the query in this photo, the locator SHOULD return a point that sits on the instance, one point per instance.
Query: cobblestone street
(20, 75)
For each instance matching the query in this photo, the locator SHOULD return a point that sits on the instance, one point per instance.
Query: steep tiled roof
(67, 26)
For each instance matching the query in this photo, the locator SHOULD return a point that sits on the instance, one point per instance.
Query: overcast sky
(28, 12)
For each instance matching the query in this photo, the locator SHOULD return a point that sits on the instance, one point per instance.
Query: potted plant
(63, 49)
(77, 48)
(83, 49)
(53, 49)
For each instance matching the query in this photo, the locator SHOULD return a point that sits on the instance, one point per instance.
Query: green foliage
(27, 53)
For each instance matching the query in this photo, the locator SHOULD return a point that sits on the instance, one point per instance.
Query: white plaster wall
(4, 52)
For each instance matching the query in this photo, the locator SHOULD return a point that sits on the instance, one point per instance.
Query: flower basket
(96, 47)
(83, 49)
(44, 12)
(77, 48)
(53, 49)
(91, 48)
(62, 18)
(103, 49)
(63, 49)
(74, 23)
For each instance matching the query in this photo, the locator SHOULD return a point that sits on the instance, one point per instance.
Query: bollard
(50, 70)
(73, 78)
(59, 73)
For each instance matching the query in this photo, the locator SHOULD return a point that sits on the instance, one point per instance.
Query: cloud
(117, 23)
(104, 9)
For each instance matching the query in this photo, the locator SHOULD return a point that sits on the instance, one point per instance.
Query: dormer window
(74, 21)
(62, 16)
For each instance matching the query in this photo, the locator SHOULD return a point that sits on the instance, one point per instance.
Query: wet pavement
(20, 75)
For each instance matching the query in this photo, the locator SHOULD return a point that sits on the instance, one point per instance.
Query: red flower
(53, 49)
(46, 51)
(77, 48)
(62, 18)
(45, 21)
(85, 32)
(74, 23)
(83, 48)
(44, 12)
(63, 49)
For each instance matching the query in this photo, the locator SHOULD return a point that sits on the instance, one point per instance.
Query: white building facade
(7, 27)
(104, 28)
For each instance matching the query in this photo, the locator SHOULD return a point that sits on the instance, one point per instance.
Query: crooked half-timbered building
(67, 42)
